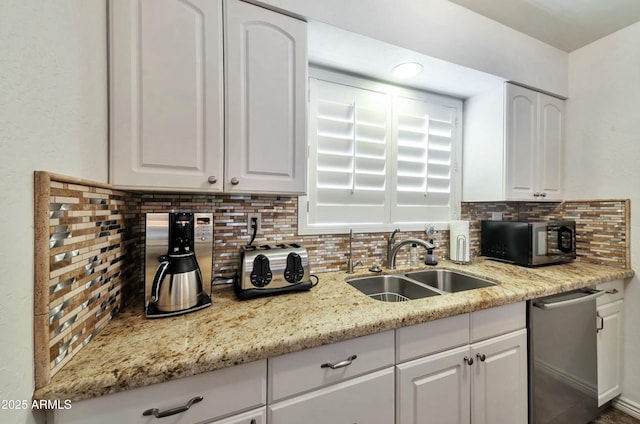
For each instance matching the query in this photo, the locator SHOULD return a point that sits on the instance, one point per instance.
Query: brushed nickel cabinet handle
(600, 326)
(481, 357)
(173, 411)
(341, 364)
(235, 181)
(468, 360)
(212, 180)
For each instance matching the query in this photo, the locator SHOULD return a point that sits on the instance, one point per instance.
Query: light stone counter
(133, 351)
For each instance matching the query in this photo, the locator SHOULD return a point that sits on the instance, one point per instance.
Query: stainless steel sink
(448, 281)
(391, 288)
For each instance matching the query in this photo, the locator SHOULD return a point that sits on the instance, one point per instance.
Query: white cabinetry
(167, 105)
(258, 416)
(350, 381)
(499, 380)
(481, 382)
(513, 146)
(224, 392)
(367, 399)
(166, 82)
(609, 341)
(266, 75)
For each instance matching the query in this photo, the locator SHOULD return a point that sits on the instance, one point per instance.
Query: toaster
(268, 270)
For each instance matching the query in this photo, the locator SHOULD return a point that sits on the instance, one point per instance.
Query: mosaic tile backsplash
(90, 247)
(81, 266)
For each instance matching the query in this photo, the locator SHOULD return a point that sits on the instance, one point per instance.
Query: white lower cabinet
(224, 392)
(435, 389)
(499, 380)
(258, 416)
(609, 341)
(484, 382)
(345, 382)
(367, 400)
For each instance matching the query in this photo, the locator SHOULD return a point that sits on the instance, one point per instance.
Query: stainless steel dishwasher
(563, 361)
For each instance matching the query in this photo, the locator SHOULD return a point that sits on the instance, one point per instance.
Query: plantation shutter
(424, 159)
(349, 132)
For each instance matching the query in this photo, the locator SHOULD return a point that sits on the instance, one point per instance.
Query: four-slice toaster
(267, 270)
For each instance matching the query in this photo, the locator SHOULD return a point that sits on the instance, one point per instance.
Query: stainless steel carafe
(174, 278)
(177, 284)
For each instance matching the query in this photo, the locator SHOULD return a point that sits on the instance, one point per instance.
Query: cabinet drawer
(224, 392)
(431, 337)
(257, 416)
(614, 289)
(298, 372)
(368, 399)
(496, 321)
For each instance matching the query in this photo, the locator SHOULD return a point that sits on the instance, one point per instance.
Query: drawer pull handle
(613, 291)
(481, 357)
(161, 414)
(468, 360)
(341, 364)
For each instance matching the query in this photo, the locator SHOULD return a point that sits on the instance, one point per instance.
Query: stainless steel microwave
(528, 243)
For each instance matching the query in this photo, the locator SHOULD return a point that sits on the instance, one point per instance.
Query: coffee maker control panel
(203, 228)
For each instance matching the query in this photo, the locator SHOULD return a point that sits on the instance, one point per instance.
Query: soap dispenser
(430, 258)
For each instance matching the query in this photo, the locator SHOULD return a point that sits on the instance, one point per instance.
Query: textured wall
(53, 116)
(603, 141)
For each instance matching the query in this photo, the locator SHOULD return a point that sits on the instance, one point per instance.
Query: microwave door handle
(561, 247)
(547, 306)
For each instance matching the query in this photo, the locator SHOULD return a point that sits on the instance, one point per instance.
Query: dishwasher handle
(591, 295)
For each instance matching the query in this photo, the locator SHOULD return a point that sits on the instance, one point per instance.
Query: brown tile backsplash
(89, 251)
(602, 226)
(82, 266)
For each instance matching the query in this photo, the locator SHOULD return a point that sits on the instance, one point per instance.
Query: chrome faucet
(350, 264)
(392, 247)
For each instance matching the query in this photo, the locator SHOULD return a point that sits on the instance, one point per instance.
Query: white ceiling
(354, 53)
(565, 24)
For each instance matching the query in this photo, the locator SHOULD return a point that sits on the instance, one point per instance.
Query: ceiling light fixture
(407, 70)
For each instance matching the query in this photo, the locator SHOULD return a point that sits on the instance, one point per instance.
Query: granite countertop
(133, 351)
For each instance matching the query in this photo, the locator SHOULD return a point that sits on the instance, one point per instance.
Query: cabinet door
(521, 142)
(435, 389)
(368, 399)
(609, 341)
(265, 63)
(499, 384)
(257, 416)
(166, 94)
(551, 136)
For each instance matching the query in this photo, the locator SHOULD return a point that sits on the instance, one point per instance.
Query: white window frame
(304, 228)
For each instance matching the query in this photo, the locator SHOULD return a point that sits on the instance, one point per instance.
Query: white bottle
(414, 259)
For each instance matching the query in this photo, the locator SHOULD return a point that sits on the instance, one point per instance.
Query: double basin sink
(417, 284)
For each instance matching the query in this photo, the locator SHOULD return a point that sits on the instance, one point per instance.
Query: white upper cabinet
(167, 100)
(534, 133)
(166, 94)
(513, 146)
(266, 75)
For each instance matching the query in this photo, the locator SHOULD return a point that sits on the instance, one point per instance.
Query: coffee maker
(178, 252)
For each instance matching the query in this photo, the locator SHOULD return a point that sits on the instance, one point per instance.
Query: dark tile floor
(613, 416)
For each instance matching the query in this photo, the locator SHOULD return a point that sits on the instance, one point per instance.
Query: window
(379, 157)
